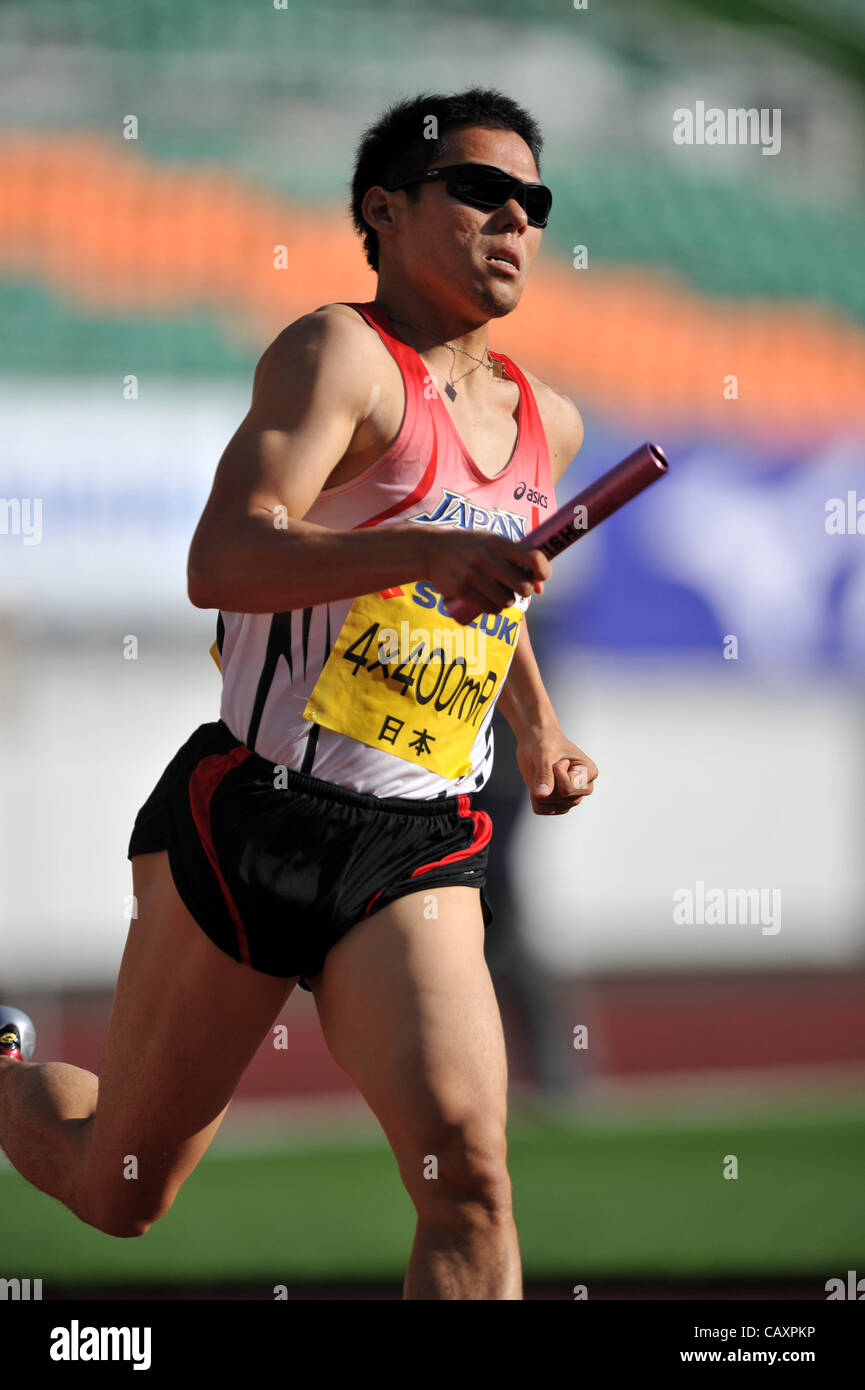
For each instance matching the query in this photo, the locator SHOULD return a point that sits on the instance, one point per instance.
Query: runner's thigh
(185, 1023)
(408, 1010)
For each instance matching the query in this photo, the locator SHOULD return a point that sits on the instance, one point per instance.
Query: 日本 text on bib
(406, 677)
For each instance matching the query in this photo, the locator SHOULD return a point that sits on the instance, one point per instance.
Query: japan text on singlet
(385, 693)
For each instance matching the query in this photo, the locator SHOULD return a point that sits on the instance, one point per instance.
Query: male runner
(322, 829)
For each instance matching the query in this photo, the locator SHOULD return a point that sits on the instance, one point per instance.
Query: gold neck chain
(496, 368)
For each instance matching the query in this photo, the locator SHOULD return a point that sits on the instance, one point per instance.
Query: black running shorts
(276, 866)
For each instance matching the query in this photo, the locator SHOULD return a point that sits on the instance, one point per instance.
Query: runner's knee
(121, 1220)
(460, 1174)
(125, 1211)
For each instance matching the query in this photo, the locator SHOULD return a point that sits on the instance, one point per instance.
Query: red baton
(585, 511)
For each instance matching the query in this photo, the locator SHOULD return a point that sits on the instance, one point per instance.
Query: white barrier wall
(702, 781)
(85, 735)
(733, 789)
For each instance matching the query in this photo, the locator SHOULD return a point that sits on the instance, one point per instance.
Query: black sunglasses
(483, 186)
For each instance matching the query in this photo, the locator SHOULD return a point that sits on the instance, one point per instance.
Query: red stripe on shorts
(369, 905)
(202, 785)
(483, 832)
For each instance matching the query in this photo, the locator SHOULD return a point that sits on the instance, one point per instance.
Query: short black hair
(394, 147)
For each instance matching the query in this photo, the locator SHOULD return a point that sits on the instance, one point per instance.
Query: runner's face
(449, 243)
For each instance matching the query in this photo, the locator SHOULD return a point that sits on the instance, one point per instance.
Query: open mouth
(504, 260)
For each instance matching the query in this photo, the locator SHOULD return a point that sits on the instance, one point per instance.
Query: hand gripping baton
(585, 511)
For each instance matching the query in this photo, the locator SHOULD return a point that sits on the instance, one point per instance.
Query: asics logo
(539, 498)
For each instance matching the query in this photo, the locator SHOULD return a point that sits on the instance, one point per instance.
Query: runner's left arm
(546, 758)
(557, 772)
(523, 699)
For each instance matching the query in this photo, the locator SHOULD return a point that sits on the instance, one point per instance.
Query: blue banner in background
(737, 541)
(733, 542)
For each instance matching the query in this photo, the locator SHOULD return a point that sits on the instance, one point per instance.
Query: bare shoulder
(329, 345)
(562, 422)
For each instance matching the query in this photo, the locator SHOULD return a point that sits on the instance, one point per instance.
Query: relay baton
(585, 511)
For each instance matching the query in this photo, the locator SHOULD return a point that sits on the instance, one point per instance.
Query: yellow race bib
(405, 677)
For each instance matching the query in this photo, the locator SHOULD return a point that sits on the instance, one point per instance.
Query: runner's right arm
(252, 552)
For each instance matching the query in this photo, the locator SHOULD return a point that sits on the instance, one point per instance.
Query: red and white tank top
(385, 693)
